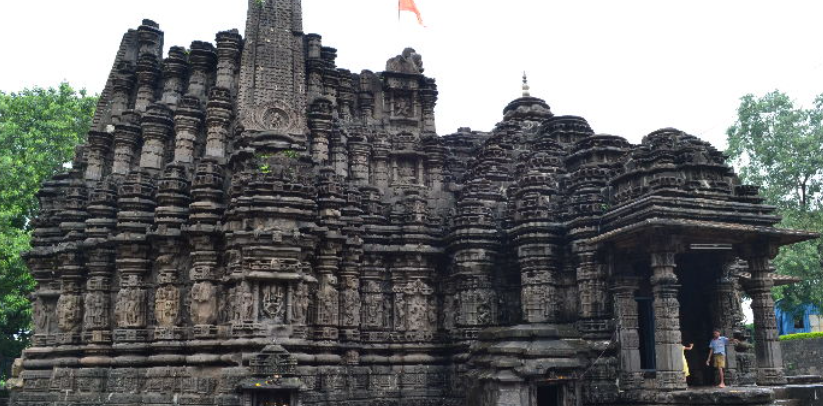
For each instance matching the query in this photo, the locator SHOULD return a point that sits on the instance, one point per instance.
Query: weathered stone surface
(803, 357)
(251, 225)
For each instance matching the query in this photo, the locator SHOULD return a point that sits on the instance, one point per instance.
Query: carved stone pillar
(100, 225)
(71, 262)
(100, 144)
(229, 44)
(359, 152)
(171, 213)
(727, 315)
(150, 38)
(187, 124)
(126, 142)
(475, 248)
(314, 65)
(628, 335)
(123, 85)
(767, 349)
(668, 341)
(435, 162)
(338, 151)
(320, 120)
(351, 299)
(133, 263)
(593, 290)
(175, 70)
(157, 125)
(327, 315)
(428, 96)
(218, 120)
(203, 58)
(380, 160)
(366, 101)
(205, 212)
(148, 72)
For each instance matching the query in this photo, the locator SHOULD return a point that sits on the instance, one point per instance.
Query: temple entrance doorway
(273, 398)
(549, 395)
(698, 273)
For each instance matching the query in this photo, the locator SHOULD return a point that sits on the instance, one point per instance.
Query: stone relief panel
(97, 309)
(374, 305)
(130, 311)
(69, 313)
(300, 309)
(203, 306)
(350, 302)
(273, 303)
(328, 301)
(167, 305)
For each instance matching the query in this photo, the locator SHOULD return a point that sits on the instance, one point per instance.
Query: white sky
(629, 67)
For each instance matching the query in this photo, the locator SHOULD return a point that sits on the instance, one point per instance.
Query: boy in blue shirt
(717, 353)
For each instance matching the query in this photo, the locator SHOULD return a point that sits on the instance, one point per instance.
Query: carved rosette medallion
(276, 117)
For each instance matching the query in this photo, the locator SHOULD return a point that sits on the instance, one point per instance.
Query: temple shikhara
(249, 224)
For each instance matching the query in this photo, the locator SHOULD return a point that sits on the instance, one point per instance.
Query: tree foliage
(779, 147)
(39, 129)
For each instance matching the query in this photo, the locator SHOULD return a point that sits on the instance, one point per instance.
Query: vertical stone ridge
(272, 94)
(103, 113)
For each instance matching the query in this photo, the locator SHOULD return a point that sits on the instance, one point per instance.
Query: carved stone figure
(246, 304)
(69, 313)
(400, 312)
(274, 303)
(203, 307)
(130, 311)
(96, 314)
(351, 302)
(167, 305)
(327, 301)
(42, 314)
(301, 304)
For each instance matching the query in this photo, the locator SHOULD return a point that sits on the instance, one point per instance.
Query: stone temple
(249, 224)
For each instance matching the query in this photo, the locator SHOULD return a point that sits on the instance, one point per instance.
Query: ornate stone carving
(407, 62)
(130, 311)
(273, 304)
(69, 313)
(167, 305)
(350, 299)
(328, 301)
(300, 308)
(97, 308)
(203, 308)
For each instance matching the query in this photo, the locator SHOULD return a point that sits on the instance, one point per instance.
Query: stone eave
(699, 230)
(778, 279)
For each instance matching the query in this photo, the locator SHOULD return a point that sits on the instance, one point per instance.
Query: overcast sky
(628, 67)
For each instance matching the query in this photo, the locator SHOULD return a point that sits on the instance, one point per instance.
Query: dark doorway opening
(697, 274)
(548, 395)
(274, 398)
(645, 320)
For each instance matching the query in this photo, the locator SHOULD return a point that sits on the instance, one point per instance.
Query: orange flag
(408, 5)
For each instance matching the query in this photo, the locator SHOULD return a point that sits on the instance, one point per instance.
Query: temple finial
(525, 85)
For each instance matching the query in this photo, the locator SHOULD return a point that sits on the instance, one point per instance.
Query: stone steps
(799, 395)
(804, 379)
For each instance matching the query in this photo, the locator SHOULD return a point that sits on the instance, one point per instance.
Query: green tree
(39, 129)
(779, 147)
